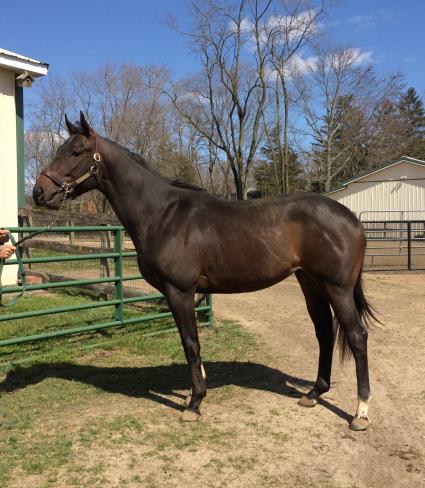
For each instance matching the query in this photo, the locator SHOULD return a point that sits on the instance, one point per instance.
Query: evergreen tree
(340, 139)
(412, 108)
(268, 171)
(413, 114)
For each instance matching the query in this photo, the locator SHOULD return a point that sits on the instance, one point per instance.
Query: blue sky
(78, 34)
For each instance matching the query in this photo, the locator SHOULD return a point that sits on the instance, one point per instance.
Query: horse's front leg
(182, 305)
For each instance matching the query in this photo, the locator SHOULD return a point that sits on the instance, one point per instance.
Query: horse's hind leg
(355, 337)
(182, 305)
(320, 312)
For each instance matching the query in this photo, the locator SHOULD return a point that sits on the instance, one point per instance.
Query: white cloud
(293, 26)
(297, 64)
(246, 26)
(361, 57)
(362, 20)
(409, 59)
(359, 21)
(301, 64)
(389, 15)
(290, 27)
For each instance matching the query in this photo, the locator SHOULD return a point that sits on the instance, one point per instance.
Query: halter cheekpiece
(68, 187)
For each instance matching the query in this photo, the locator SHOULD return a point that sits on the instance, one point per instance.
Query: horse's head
(73, 169)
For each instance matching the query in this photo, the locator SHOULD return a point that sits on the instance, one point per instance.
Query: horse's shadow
(154, 381)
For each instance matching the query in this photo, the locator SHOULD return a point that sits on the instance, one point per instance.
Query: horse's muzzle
(38, 195)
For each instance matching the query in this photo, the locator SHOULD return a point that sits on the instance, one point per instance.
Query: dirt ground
(390, 454)
(111, 420)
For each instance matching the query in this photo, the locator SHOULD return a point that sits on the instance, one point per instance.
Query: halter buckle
(96, 157)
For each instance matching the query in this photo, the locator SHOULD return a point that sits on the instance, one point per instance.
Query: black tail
(366, 313)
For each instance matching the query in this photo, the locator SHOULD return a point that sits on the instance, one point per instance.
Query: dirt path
(392, 453)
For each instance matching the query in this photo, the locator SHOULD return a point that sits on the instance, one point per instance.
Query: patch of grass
(325, 483)
(33, 452)
(47, 430)
(65, 348)
(265, 431)
(218, 464)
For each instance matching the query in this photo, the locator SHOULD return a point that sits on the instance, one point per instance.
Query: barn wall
(372, 193)
(8, 160)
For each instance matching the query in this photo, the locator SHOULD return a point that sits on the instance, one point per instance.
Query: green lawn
(76, 402)
(65, 348)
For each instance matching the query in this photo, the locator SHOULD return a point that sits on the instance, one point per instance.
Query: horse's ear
(87, 130)
(71, 127)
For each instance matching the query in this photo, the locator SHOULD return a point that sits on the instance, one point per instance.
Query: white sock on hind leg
(363, 408)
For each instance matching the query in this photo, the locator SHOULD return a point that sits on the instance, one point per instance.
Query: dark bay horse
(188, 241)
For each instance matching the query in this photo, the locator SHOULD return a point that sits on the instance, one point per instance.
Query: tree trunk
(285, 168)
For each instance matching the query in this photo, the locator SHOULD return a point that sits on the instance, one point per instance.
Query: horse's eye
(76, 152)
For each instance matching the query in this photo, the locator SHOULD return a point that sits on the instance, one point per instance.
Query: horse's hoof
(359, 423)
(187, 400)
(306, 402)
(190, 416)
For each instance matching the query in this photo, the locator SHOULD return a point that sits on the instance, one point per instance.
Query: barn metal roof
(405, 159)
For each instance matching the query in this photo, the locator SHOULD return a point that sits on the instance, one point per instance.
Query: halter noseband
(68, 187)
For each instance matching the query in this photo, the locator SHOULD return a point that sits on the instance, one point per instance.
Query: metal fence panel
(124, 271)
(395, 244)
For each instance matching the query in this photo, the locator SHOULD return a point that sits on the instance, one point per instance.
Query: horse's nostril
(37, 193)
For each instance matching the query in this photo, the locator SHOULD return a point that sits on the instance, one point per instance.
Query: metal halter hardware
(68, 187)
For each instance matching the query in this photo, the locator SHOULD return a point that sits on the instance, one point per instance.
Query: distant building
(16, 72)
(396, 191)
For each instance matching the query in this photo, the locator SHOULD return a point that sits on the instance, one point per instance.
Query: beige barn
(16, 72)
(395, 191)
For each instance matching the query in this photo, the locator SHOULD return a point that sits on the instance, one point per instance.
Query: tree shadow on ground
(152, 382)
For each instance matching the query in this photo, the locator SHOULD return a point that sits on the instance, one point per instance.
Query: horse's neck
(135, 193)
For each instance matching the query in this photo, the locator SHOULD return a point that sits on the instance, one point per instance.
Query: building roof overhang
(22, 64)
(403, 159)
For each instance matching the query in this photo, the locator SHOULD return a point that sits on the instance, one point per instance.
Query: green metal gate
(118, 280)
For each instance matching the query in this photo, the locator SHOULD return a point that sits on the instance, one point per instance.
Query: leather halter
(68, 187)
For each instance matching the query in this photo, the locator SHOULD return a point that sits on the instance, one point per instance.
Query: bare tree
(291, 28)
(120, 103)
(341, 100)
(224, 103)
(47, 131)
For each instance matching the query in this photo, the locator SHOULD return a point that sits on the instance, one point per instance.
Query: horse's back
(250, 245)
